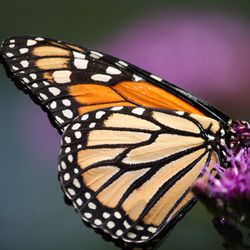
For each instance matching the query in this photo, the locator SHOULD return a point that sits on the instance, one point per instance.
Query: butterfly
(132, 143)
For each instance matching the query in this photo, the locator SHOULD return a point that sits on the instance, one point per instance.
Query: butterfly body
(132, 143)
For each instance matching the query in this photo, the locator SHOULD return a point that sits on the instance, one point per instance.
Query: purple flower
(227, 194)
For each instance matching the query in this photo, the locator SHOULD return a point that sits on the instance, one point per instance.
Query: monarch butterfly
(132, 143)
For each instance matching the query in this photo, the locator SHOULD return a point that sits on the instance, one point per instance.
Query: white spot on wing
(152, 229)
(76, 126)
(157, 78)
(99, 114)
(138, 111)
(101, 77)
(23, 50)
(55, 91)
(67, 113)
(81, 63)
(96, 54)
(33, 76)
(78, 55)
(113, 71)
(78, 134)
(137, 78)
(122, 63)
(85, 117)
(62, 76)
(117, 108)
(9, 54)
(24, 63)
(59, 119)
(31, 42)
(76, 183)
(66, 102)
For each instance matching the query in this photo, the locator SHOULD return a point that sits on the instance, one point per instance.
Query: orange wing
(69, 80)
(128, 170)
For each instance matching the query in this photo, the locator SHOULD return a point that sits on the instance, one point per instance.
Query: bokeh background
(203, 46)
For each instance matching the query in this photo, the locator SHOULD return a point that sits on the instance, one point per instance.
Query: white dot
(46, 83)
(9, 54)
(157, 78)
(44, 97)
(91, 205)
(179, 112)
(85, 117)
(71, 191)
(66, 102)
(76, 171)
(119, 232)
(63, 165)
(14, 68)
(88, 215)
(122, 63)
(81, 63)
(12, 40)
(59, 119)
(12, 45)
(54, 91)
(117, 108)
(39, 38)
(95, 54)
(79, 201)
(110, 224)
(131, 235)
(31, 42)
(113, 71)
(126, 225)
(144, 237)
(53, 105)
(34, 85)
(68, 113)
(67, 139)
(24, 63)
(101, 77)
(97, 222)
(138, 111)
(26, 80)
(78, 55)
(76, 126)
(152, 229)
(99, 114)
(117, 215)
(139, 228)
(78, 134)
(76, 183)
(33, 76)
(106, 215)
(66, 176)
(87, 195)
(62, 76)
(23, 50)
(70, 158)
(67, 150)
(79, 146)
(137, 78)
(92, 124)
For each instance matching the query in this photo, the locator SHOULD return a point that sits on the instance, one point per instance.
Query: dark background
(202, 46)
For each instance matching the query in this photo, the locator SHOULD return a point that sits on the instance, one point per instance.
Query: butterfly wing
(68, 80)
(128, 170)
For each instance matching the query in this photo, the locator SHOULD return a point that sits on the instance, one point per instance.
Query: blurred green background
(203, 46)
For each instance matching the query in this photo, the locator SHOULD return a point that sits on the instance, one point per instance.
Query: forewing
(68, 80)
(129, 170)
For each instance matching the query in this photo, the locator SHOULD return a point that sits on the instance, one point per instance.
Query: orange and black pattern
(133, 144)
